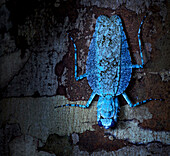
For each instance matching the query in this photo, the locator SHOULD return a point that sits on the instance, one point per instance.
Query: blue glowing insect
(108, 68)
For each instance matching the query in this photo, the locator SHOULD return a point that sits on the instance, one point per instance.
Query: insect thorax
(107, 111)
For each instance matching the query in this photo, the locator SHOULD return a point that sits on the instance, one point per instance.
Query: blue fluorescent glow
(108, 68)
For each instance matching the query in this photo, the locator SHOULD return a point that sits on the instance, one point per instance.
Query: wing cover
(105, 57)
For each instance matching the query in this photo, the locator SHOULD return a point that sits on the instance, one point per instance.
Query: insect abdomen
(125, 65)
(108, 52)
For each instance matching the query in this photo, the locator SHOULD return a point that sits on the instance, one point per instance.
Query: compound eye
(112, 123)
(100, 123)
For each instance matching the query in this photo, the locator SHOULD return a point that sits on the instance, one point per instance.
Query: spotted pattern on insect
(108, 68)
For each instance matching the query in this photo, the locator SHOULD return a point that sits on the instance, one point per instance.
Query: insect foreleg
(139, 40)
(82, 106)
(76, 66)
(138, 103)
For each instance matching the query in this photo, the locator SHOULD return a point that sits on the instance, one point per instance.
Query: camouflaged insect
(108, 68)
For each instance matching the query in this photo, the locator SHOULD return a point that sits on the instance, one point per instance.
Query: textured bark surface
(37, 74)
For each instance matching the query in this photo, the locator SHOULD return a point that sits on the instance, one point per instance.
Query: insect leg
(75, 56)
(82, 106)
(138, 103)
(139, 39)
